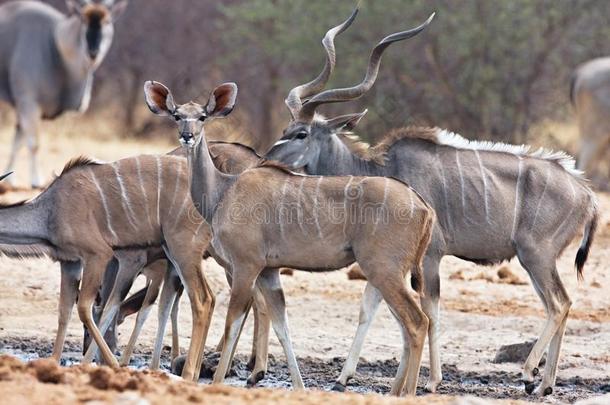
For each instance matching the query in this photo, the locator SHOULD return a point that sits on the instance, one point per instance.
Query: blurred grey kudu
(493, 202)
(47, 61)
(254, 233)
(590, 95)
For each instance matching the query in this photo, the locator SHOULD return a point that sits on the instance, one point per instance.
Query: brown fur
(93, 12)
(377, 153)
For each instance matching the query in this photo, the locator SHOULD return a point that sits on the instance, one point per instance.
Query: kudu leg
(431, 307)
(129, 267)
(260, 340)
(368, 307)
(202, 301)
(412, 320)
(18, 142)
(242, 290)
(547, 283)
(151, 295)
(271, 287)
(167, 302)
(93, 273)
(175, 334)
(68, 292)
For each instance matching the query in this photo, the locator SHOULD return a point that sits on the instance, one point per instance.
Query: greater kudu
(494, 201)
(47, 61)
(590, 95)
(268, 217)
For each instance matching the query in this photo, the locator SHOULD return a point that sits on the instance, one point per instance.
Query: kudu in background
(493, 202)
(590, 95)
(47, 61)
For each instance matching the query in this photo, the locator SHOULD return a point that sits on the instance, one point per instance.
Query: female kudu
(267, 218)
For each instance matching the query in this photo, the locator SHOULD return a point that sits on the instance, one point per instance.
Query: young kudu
(91, 210)
(267, 218)
(493, 201)
(47, 61)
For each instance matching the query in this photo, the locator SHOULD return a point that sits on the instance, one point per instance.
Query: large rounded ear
(158, 98)
(345, 122)
(222, 100)
(118, 8)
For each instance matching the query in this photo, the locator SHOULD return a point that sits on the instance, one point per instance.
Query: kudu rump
(493, 202)
(267, 217)
(47, 61)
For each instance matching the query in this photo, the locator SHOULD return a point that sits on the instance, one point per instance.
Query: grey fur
(47, 63)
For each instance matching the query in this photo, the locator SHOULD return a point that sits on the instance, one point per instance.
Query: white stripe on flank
(125, 200)
(573, 205)
(485, 188)
(462, 185)
(383, 203)
(281, 220)
(412, 203)
(316, 207)
(178, 173)
(159, 185)
(517, 198)
(445, 193)
(346, 208)
(300, 211)
(546, 183)
(105, 206)
(143, 189)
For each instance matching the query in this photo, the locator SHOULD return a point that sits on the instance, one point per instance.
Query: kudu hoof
(547, 391)
(251, 364)
(535, 371)
(338, 387)
(530, 387)
(255, 378)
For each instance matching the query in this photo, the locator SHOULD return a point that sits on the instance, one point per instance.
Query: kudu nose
(187, 137)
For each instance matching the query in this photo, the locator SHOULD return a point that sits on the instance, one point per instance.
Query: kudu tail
(417, 273)
(585, 246)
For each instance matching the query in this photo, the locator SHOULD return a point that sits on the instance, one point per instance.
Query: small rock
(516, 353)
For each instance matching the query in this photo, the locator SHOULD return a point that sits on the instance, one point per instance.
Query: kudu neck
(72, 49)
(208, 184)
(338, 160)
(25, 224)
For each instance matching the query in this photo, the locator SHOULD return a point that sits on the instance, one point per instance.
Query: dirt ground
(480, 312)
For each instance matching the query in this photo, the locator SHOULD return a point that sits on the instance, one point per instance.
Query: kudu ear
(118, 8)
(158, 98)
(345, 122)
(222, 100)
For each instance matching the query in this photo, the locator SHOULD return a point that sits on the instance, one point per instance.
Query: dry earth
(481, 312)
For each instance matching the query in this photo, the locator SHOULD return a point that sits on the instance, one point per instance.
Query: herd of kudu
(398, 207)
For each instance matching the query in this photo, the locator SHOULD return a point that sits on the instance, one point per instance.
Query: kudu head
(308, 133)
(191, 116)
(97, 24)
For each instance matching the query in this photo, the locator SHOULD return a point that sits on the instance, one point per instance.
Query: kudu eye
(301, 135)
(176, 117)
(202, 118)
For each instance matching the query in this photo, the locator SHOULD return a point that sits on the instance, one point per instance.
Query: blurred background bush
(496, 70)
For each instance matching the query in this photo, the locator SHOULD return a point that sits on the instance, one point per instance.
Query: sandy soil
(481, 312)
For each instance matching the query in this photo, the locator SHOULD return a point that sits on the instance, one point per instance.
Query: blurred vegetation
(486, 69)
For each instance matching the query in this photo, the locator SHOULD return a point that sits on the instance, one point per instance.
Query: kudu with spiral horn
(494, 202)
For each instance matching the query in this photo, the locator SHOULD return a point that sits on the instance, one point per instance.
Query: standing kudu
(47, 61)
(590, 95)
(267, 218)
(493, 201)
